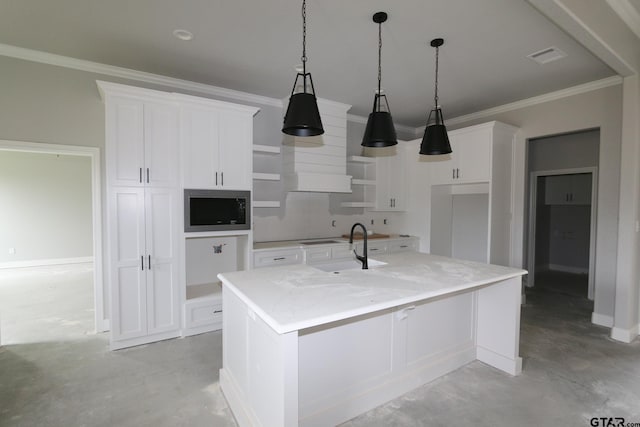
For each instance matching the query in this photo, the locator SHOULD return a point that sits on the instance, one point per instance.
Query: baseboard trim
(602, 320)
(44, 262)
(624, 335)
(568, 269)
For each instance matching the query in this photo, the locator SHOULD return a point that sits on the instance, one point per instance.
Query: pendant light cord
(304, 37)
(436, 90)
(379, 62)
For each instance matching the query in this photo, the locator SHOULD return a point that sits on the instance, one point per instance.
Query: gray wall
(46, 206)
(573, 150)
(599, 109)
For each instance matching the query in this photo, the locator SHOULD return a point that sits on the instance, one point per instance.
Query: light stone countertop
(296, 297)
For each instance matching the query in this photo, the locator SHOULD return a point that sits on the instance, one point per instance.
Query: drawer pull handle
(279, 258)
(404, 246)
(217, 311)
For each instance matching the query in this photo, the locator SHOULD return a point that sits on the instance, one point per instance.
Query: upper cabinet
(141, 139)
(570, 189)
(391, 179)
(470, 160)
(216, 140)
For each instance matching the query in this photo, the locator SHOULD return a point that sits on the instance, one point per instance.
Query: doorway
(562, 222)
(91, 273)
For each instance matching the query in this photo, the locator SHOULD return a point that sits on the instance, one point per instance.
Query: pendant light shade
(303, 117)
(435, 140)
(380, 131)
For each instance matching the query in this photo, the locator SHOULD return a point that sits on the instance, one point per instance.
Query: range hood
(319, 163)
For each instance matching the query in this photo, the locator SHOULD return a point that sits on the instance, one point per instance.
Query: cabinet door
(473, 153)
(397, 181)
(391, 182)
(124, 141)
(162, 260)
(580, 189)
(235, 133)
(557, 190)
(199, 138)
(160, 144)
(127, 264)
(383, 197)
(442, 167)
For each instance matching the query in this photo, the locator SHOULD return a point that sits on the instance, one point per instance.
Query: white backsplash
(308, 216)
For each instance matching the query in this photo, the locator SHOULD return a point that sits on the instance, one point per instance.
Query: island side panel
(498, 325)
(354, 365)
(259, 375)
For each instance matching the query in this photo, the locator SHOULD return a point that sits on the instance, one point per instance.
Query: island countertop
(296, 297)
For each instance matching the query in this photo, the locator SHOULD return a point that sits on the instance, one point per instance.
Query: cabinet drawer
(374, 248)
(403, 245)
(317, 255)
(202, 315)
(271, 258)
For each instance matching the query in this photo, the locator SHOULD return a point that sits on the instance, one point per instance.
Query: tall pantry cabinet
(143, 217)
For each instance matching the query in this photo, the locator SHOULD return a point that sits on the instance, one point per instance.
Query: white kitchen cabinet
(142, 140)
(143, 224)
(470, 160)
(470, 204)
(216, 143)
(391, 181)
(571, 189)
(277, 257)
(403, 245)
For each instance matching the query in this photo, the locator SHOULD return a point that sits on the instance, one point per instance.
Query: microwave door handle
(222, 177)
(216, 178)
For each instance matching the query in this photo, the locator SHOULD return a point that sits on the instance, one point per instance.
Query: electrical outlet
(12, 251)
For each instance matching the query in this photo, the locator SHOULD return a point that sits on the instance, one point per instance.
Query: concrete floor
(572, 371)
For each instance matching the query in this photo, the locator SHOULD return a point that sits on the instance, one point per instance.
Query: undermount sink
(352, 264)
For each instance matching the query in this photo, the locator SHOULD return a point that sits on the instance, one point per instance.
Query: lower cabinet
(143, 265)
(277, 257)
(202, 315)
(327, 253)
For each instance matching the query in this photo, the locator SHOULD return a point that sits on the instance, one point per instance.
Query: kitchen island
(305, 345)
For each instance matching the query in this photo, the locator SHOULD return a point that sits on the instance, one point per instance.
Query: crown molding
(126, 73)
(540, 99)
(141, 76)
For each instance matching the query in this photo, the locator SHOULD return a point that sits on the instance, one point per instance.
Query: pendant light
(302, 117)
(435, 140)
(380, 131)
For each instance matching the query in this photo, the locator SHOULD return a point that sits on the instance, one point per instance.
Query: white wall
(310, 215)
(46, 206)
(598, 109)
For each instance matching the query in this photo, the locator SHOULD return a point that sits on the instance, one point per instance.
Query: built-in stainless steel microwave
(217, 210)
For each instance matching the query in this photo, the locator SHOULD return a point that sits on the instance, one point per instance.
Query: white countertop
(295, 297)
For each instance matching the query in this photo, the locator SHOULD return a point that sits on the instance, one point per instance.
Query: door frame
(533, 190)
(101, 319)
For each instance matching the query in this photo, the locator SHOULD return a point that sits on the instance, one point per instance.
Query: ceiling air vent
(547, 55)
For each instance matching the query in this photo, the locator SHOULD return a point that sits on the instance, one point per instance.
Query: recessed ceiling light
(547, 55)
(183, 35)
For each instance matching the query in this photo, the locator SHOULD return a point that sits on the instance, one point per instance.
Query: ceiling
(253, 46)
